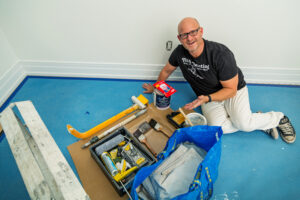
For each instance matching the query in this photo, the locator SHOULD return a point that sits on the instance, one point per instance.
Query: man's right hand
(148, 88)
(163, 75)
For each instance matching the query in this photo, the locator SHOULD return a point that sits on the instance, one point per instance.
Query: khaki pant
(234, 114)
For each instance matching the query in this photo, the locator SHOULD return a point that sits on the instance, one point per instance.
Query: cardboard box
(94, 180)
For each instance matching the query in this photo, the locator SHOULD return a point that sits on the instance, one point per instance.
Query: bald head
(190, 36)
(187, 22)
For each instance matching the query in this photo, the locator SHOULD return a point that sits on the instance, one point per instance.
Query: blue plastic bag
(206, 137)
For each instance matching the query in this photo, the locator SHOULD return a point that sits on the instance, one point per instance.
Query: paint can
(110, 166)
(161, 102)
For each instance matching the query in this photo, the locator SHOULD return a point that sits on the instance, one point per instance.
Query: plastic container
(161, 102)
(196, 119)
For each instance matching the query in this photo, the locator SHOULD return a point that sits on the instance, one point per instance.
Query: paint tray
(127, 136)
(176, 119)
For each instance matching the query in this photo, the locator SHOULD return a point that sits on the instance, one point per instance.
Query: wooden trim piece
(64, 179)
(34, 180)
(44, 169)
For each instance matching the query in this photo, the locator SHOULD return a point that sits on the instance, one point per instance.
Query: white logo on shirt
(193, 67)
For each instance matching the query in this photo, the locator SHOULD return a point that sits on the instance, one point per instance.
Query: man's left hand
(198, 102)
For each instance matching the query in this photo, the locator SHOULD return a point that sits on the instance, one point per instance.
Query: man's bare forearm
(163, 75)
(223, 94)
(228, 91)
(166, 72)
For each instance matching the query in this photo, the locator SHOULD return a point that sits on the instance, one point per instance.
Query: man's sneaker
(272, 132)
(287, 131)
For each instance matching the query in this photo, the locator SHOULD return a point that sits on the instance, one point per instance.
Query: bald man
(211, 70)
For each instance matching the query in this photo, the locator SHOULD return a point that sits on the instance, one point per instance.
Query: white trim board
(12, 78)
(97, 70)
(264, 75)
(267, 75)
(272, 75)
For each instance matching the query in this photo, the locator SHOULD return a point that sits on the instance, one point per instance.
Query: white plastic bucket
(196, 119)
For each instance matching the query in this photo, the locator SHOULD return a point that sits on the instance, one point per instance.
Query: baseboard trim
(272, 75)
(10, 80)
(97, 70)
(18, 72)
(263, 75)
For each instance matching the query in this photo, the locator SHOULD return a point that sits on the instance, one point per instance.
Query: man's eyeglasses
(191, 33)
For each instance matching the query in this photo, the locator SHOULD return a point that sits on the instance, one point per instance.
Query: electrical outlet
(169, 45)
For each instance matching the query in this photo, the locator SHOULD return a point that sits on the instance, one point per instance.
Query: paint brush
(156, 126)
(1, 131)
(187, 119)
(139, 134)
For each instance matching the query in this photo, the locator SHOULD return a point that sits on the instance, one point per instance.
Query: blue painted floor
(253, 165)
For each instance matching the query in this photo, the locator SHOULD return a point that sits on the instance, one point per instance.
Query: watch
(209, 98)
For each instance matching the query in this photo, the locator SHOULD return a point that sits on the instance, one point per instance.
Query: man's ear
(201, 30)
(178, 38)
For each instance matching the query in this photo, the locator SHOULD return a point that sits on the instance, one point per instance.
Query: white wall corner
(10, 80)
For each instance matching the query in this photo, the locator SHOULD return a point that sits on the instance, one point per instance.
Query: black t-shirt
(204, 73)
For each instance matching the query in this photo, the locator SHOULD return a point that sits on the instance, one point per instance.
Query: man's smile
(191, 43)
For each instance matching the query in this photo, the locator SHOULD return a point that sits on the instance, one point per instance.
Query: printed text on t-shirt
(193, 67)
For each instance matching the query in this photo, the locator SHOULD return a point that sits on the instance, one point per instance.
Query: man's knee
(214, 122)
(243, 126)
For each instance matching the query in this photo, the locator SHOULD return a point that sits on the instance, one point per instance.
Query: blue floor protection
(253, 165)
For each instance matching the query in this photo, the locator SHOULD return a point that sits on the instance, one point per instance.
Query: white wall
(260, 33)
(7, 55)
(88, 31)
(11, 73)
(126, 39)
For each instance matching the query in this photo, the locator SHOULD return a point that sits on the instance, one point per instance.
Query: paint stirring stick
(187, 119)
(156, 126)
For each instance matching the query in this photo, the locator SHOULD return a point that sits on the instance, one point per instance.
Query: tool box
(112, 142)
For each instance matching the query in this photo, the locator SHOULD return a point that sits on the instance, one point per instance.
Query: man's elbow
(233, 92)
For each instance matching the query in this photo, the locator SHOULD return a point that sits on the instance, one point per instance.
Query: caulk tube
(110, 166)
